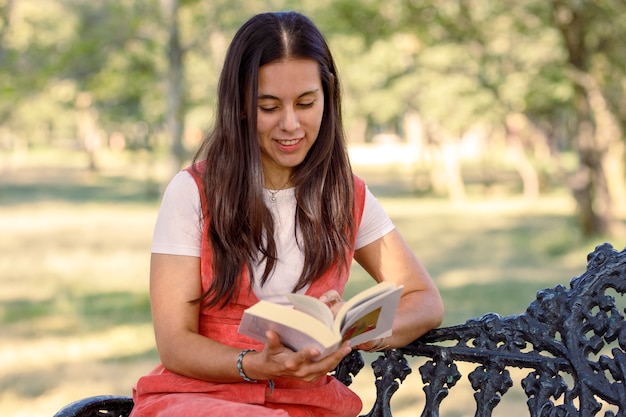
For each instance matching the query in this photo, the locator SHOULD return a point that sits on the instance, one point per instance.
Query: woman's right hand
(277, 360)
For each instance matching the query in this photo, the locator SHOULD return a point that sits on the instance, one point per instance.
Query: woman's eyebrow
(271, 97)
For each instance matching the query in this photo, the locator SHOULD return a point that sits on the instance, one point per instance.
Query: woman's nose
(289, 122)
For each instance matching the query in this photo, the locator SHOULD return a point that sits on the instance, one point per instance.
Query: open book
(310, 323)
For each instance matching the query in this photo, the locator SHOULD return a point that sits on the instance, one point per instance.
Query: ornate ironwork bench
(572, 342)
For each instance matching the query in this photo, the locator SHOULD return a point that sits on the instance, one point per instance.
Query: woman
(269, 207)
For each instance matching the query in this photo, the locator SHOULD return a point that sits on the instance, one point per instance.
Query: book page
(313, 307)
(362, 298)
(371, 319)
(362, 325)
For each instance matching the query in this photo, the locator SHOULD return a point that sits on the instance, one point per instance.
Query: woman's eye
(307, 105)
(267, 109)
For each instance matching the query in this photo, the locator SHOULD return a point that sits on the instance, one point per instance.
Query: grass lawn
(74, 253)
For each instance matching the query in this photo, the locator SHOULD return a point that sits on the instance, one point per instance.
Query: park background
(492, 132)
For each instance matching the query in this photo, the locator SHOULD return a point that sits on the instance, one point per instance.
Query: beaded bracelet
(270, 382)
(240, 367)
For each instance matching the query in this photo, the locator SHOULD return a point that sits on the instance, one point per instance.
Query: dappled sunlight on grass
(40, 375)
(19, 355)
(50, 246)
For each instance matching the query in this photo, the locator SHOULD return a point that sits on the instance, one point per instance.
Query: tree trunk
(175, 86)
(589, 185)
(515, 124)
(452, 167)
(605, 155)
(87, 129)
(445, 169)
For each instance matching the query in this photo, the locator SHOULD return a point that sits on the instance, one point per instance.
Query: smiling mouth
(288, 142)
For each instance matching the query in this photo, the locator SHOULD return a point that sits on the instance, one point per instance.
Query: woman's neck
(277, 180)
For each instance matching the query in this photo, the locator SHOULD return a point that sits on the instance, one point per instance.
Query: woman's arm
(174, 281)
(421, 308)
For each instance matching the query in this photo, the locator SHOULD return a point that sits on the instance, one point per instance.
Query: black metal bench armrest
(100, 405)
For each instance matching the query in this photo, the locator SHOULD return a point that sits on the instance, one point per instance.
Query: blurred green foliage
(85, 74)
(456, 62)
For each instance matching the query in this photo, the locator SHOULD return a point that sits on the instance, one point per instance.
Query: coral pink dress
(164, 393)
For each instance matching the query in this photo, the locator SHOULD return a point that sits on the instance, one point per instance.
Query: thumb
(273, 341)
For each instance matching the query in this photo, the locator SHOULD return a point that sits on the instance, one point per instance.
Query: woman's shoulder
(358, 181)
(182, 184)
(196, 169)
(360, 188)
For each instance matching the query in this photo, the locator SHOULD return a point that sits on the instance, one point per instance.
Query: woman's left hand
(375, 345)
(333, 300)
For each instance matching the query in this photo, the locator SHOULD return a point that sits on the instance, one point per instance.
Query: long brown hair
(240, 225)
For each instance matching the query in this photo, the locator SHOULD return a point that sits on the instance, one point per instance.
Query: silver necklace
(274, 192)
(273, 195)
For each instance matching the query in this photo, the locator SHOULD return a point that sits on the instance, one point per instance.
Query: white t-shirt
(178, 231)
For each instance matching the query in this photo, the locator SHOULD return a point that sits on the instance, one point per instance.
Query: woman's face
(289, 114)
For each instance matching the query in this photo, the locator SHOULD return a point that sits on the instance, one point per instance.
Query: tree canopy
(535, 78)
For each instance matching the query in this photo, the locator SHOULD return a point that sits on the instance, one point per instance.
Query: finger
(307, 368)
(375, 345)
(330, 298)
(332, 360)
(344, 349)
(336, 307)
(273, 341)
(365, 346)
(309, 354)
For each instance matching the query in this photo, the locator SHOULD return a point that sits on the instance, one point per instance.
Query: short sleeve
(375, 222)
(178, 228)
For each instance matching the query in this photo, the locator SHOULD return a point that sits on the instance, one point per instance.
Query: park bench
(571, 343)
